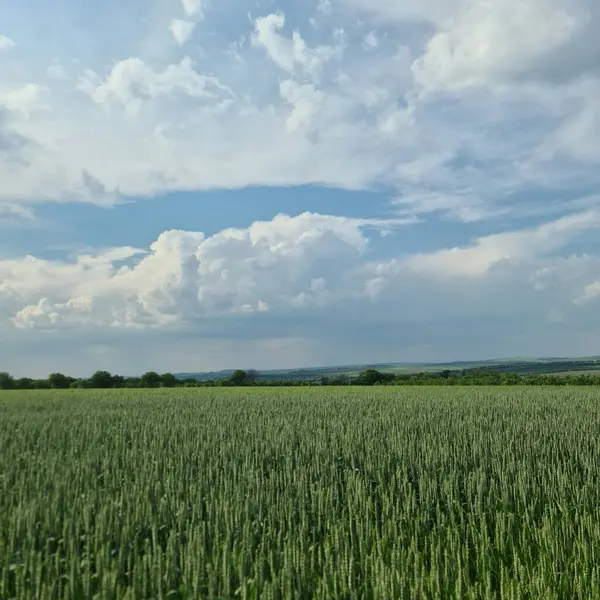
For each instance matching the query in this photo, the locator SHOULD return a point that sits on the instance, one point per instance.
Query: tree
(251, 377)
(132, 382)
(6, 381)
(81, 384)
(168, 380)
(118, 381)
(25, 383)
(101, 380)
(150, 380)
(238, 377)
(374, 377)
(59, 381)
(40, 384)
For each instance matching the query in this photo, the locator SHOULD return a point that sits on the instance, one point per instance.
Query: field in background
(521, 366)
(301, 493)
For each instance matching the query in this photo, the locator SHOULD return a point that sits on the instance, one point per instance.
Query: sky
(189, 185)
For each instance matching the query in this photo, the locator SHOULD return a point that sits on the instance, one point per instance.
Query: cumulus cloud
(276, 267)
(287, 262)
(474, 48)
(306, 102)
(457, 109)
(182, 30)
(131, 83)
(289, 53)
(299, 106)
(493, 42)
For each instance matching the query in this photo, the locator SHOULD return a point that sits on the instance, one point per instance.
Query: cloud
(308, 262)
(371, 41)
(402, 11)
(444, 115)
(15, 215)
(193, 7)
(287, 262)
(182, 30)
(324, 7)
(56, 71)
(458, 113)
(306, 101)
(132, 82)
(24, 100)
(486, 252)
(590, 292)
(288, 53)
(93, 191)
(577, 137)
(6, 43)
(493, 42)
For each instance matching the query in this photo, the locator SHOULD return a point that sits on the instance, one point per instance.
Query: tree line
(241, 378)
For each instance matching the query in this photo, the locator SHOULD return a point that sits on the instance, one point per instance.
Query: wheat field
(375, 493)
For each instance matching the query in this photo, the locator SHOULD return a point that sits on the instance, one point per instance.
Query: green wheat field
(301, 493)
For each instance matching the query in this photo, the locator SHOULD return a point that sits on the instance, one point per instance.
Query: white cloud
(467, 112)
(25, 99)
(486, 252)
(312, 107)
(591, 292)
(182, 30)
(132, 82)
(293, 264)
(193, 7)
(288, 53)
(578, 134)
(6, 43)
(299, 282)
(306, 102)
(487, 42)
(286, 262)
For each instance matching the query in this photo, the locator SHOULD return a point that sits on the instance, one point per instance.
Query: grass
(301, 493)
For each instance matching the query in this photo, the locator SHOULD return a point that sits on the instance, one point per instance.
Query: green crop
(301, 493)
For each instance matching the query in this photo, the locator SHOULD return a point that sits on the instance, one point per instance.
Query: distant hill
(522, 366)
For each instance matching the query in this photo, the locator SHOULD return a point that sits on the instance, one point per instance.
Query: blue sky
(192, 185)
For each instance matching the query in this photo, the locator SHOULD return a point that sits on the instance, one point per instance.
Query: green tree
(132, 382)
(59, 381)
(251, 377)
(150, 379)
(238, 378)
(374, 377)
(6, 381)
(168, 380)
(25, 383)
(101, 380)
(40, 384)
(118, 381)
